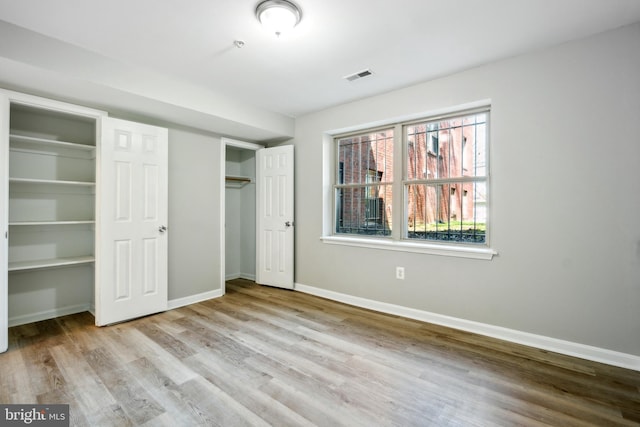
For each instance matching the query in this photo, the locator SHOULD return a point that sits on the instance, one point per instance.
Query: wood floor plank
(220, 357)
(219, 408)
(64, 396)
(225, 377)
(45, 376)
(109, 415)
(136, 402)
(285, 356)
(82, 330)
(91, 395)
(165, 340)
(308, 406)
(163, 390)
(15, 383)
(266, 356)
(166, 361)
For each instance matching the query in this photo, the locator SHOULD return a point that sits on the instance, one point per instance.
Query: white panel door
(4, 220)
(132, 262)
(275, 226)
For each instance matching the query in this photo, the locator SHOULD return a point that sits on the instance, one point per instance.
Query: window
(444, 182)
(364, 186)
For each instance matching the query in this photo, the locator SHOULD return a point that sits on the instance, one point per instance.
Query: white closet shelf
(50, 263)
(51, 181)
(49, 143)
(20, 223)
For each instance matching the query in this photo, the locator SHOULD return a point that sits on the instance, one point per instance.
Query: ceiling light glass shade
(278, 16)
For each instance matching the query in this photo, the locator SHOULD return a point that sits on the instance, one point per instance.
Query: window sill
(482, 253)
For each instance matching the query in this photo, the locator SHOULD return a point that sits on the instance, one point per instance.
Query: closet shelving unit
(52, 180)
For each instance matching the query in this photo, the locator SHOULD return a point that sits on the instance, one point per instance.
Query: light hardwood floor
(263, 356)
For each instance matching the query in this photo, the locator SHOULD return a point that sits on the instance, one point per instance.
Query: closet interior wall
(240, 214)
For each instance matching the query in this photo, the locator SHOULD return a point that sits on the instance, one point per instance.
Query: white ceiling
(174, 52)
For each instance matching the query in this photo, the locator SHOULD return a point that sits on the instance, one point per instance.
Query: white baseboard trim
(73, 309)
(234, 276)
(192, 299)
(596, 354)
(48, 314)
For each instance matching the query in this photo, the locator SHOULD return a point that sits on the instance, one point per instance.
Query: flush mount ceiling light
(278, 16)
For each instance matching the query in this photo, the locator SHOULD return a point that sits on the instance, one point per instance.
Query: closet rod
(237, 178)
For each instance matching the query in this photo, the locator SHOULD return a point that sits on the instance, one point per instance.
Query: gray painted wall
(565, 205)
(194, 214)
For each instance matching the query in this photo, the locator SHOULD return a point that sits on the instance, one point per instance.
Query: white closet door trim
(49, 104)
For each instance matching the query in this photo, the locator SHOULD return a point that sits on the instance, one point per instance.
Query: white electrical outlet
(400, 273)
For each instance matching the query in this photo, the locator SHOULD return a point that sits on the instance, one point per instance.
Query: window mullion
(398, 212)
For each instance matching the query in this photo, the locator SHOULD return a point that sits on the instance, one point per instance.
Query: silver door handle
(162, 229)
(288, 224)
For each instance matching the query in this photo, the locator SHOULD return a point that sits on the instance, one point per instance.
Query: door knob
(162, 229)
(288, 224)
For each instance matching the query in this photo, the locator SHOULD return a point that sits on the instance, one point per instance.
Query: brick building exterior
(365, 159)
(448, 149)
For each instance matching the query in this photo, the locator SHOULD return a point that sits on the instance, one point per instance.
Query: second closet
(240, 213)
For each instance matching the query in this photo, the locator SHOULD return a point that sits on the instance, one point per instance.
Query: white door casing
(275, 219)
(4, 220)
(133, 210)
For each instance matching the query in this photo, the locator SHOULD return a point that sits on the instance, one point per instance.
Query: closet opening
(239, 238)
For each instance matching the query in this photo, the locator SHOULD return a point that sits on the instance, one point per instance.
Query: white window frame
(398, 241)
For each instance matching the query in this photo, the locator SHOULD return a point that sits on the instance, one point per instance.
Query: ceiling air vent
(359, 75)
